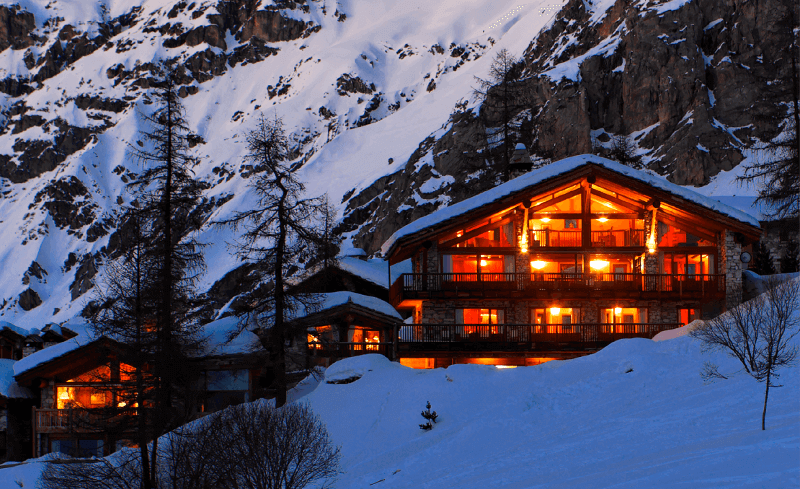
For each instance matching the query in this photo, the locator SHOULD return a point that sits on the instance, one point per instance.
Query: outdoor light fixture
(598, 264)
(602, 219)
(545, 219)
(555, 311)
(64, 395)
(538, 264)
(483, 263)
(617, 311)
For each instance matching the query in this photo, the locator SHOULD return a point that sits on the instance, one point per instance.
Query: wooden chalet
(348, 324)
(561, 261)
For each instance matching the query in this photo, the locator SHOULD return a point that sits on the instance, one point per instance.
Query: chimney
(520, 161)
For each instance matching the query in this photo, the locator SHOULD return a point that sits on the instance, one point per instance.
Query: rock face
(693, 86)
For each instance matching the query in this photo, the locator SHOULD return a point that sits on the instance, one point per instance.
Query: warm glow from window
(64, 395)
(545, 219)
(538, 264)
(122, 404)
(617, 311)
(603, 219)
(555, 311)
(483, 263)
(598, 264)
(505, 366)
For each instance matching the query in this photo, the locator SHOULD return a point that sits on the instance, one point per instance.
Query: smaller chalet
(560, 262)
(346, 324)
(82, 386)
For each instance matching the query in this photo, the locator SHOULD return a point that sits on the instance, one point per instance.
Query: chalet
(80, 390)
(561, 261)
(345, 324)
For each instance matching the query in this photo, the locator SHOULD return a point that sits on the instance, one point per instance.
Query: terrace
(535, 285)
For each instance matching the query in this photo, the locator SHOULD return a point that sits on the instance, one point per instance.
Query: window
(628, 315)
(670, 236)
(480, 316)
(226, 388)
(363, 335)
(688, 265)
(686, 316)
(466, 267)
(556, 320)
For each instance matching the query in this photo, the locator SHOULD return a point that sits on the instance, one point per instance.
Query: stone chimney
(520, 161)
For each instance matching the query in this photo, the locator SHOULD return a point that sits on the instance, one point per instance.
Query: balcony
(521, 337)
(624, 238)
(80, 420)
(348, 349)
(415, 286)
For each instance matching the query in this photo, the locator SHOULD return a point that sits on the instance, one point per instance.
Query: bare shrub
(758, 333)
(286, 448)
(249, 446)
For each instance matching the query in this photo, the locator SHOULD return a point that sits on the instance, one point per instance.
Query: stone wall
(731, 266)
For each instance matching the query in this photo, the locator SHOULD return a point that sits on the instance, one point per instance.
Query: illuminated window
(617, 315)
(686, 316)
(556, 315)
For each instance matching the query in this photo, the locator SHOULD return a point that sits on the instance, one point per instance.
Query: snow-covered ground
(637, 414)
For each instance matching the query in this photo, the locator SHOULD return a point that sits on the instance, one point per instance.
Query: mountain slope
(376, 97)
(75, 81)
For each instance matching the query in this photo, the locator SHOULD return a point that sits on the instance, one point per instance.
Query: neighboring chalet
(78, 387)
(561, 261)
(346, 324)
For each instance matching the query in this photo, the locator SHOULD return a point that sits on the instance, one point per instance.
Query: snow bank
(218, 333)
(671, 334)
(553, 170)
(351, 369)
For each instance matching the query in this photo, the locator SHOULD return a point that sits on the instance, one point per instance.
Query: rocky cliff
(694, 85)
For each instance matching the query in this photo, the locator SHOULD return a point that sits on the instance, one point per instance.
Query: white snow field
(635, 415)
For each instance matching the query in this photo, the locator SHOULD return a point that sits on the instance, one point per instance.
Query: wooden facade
(562, 268)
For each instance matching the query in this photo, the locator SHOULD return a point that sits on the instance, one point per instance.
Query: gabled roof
(562, 171)
(67, 359)
(333, 303)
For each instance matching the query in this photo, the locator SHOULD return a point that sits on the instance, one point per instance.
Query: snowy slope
(393, 46)
(636, 414)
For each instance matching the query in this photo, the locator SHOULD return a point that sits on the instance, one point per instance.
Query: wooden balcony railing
(528, 333)
(78, 420)
(664, 286)
(623, 238)
(348, 349)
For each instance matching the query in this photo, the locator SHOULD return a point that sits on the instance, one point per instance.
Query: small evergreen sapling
(430, 418)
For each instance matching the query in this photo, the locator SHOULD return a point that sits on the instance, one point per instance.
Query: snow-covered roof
(16, 329)
(373, 270)
(333, 299)
(45, 355)
(553, 170)
(8, 387)
(218, 333)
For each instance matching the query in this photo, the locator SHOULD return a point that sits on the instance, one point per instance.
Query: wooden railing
(78, 419)
(348, 349)
(623, 238)
(414, 285)
(529, 333)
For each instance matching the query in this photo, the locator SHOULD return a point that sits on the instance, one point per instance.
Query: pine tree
(280, 232)
(790, 262)
(430, 418)
(762, 261)
(501, 95)
(623, 150)
(150, 295)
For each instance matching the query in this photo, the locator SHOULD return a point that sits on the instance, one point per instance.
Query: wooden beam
(632, 207)
(475, 232)
(555, 200)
